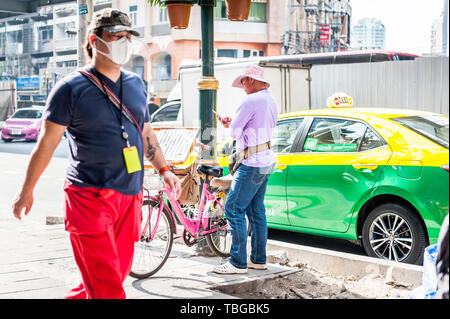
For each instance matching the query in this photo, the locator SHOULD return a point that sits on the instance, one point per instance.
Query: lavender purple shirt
(253, 125)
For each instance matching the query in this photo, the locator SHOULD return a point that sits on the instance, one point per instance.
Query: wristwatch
(165, 169)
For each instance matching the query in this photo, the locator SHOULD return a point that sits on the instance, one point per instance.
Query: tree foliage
(156, 2)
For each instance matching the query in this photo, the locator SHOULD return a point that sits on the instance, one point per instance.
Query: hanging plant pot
(179, 13)
(238, 10)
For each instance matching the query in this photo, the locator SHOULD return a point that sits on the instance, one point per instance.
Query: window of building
(250, 53)
(162, 67)
(2, 40)
(133, 15)
(46, 33)
(15, 36)
(163, 18)
(71, 63)
(226, 53)
(258, 11)
(138, 66)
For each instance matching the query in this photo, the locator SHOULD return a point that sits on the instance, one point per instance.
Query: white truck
(289, 84)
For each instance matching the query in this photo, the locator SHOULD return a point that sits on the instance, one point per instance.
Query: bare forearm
(42, 154)
(152, 150)
(40, 158)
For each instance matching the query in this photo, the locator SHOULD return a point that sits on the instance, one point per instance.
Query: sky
(407, 22)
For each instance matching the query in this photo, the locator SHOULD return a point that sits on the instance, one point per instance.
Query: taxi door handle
(281, 166)
(366, 166)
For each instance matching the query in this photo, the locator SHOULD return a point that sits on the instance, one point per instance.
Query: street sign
(83, 9)
(28, 83)
(324, 28)
(324, 35)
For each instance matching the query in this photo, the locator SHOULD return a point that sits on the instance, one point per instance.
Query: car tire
(6, 140)
(393, 232)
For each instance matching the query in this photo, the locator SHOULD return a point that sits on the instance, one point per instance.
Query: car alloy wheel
(392, 232)
(391, 237)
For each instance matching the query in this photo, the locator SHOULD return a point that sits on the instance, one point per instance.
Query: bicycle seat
(215, 171)
(223, 183)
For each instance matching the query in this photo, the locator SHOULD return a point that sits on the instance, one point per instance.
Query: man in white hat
(252, 129)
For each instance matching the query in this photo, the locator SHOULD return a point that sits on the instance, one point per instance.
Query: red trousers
(103, 226)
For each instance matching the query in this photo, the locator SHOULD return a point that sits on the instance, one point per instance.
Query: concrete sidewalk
(36, 262)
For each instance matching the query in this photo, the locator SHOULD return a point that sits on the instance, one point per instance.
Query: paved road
(24, 147)
(48, 195)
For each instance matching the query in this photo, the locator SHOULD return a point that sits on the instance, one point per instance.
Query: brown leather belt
(249, 151)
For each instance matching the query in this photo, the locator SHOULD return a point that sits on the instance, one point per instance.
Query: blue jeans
(246, 197)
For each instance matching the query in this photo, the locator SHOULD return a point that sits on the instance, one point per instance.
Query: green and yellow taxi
(376, 175)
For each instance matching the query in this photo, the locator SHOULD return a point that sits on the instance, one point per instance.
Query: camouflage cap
(112, 20)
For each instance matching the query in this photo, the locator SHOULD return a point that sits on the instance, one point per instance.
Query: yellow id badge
(132, 159)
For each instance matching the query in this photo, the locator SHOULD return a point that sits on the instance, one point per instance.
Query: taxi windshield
(27, 114)
(434, 127)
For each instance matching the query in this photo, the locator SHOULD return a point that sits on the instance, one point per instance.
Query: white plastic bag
(429, 278)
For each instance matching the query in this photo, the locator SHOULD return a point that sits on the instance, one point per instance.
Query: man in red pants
(104, 110)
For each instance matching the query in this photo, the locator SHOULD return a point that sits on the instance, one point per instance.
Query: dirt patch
(312, 284)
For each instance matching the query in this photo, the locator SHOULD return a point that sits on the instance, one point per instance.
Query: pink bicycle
(158, 226)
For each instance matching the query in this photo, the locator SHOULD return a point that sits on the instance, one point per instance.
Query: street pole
(85, 11)
(208, 84)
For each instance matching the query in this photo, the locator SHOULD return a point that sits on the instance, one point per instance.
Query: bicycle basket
(190, 184)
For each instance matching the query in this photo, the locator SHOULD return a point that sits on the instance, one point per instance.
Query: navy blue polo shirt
(93, 129)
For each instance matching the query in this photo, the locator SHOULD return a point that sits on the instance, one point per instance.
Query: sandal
(228, 268)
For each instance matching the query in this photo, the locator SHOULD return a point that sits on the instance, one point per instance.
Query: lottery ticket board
(176, 143)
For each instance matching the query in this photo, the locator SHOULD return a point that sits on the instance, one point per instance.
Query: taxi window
(370, 141)
(284, 135)
(334, 135)
(433, 127)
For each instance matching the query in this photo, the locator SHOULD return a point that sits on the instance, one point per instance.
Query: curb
(345, 264)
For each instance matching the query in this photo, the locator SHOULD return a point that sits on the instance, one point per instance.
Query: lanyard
(119, 117)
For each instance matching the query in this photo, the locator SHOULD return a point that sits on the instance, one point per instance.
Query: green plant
(161, 2)
(156, 2)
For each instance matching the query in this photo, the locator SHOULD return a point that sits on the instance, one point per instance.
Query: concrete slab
(36, 262)
(344, 264)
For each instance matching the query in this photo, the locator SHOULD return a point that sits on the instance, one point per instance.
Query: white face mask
(119, 51)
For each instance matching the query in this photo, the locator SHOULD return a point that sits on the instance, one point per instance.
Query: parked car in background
(376, 175)
(24, 124)
(168, 115)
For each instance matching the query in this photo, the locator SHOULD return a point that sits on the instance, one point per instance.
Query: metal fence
(419, 84)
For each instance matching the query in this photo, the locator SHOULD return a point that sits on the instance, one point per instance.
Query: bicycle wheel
(219, 241)
(151, 254)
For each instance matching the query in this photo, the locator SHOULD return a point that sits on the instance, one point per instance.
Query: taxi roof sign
(340, 100)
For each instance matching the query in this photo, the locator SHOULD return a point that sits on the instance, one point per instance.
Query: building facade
(369, 34)
(439, 33)
(166, 48)
(37, 49)
(314, 26)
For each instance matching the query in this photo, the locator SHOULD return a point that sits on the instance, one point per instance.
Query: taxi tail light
(445, 167)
